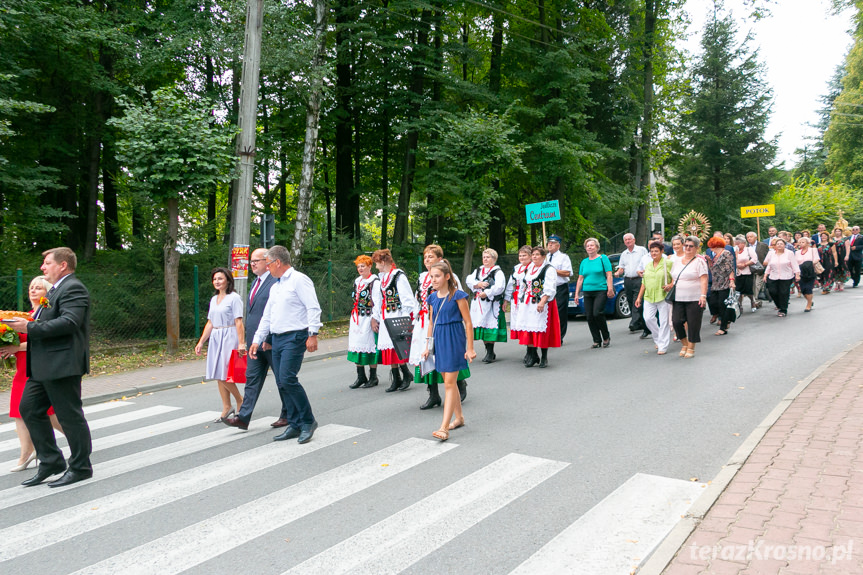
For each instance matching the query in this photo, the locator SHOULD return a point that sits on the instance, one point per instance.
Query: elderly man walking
(630, 266)
(293, 317)
(563, 268)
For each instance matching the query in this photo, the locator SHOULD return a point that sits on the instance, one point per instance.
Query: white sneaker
(755, 309)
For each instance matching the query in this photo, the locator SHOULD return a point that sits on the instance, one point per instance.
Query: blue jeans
(256, 374)
(288, 351)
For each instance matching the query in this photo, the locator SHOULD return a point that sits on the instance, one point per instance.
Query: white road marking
(135, 461)
(108, 421)
(619, 532)
(404, 538)
(88, 409)
(138, 433)
(49, 529)
(183, 549)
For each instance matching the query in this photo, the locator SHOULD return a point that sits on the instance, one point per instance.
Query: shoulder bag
(669, 297)
(756, 267)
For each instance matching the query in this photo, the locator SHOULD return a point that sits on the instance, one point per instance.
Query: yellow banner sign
(758, 211)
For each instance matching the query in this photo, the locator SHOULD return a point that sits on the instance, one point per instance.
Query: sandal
(456, 424)
(596, 345)
(441, 434)
(683, 351)
(721, 332)
(689, 353)
(661, 352)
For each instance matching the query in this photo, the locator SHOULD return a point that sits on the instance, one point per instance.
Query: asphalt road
(586, 446)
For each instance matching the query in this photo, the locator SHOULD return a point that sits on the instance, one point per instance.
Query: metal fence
(128, 309)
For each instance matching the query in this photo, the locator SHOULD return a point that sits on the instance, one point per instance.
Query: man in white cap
(563, 266)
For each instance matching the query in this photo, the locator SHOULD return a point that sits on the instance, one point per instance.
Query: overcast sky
(801, 44)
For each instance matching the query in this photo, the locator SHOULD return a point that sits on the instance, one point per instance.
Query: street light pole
(247, 124)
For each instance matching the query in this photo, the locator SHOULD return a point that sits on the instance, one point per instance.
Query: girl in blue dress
(452, 332)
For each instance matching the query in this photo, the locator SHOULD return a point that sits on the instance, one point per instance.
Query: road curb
(164, 385)
(659, 559)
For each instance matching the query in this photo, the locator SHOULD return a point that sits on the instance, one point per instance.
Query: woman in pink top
(781, 269)
(690, 295)
(807, 257)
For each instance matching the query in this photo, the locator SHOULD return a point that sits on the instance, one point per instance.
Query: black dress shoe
(531, 361)
(543, 362)
(71, 477)
(373, 381)
(358, 383)
(396, 381)
(290, 432)
(236, 422)
(42, 474)
(307, 434)
(280, 422)
(644, 335)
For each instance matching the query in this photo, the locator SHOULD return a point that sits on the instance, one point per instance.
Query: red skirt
(389, 357)
(18, 383)
(543, 339)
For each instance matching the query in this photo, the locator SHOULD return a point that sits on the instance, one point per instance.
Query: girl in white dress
(397, 300)
(225, 331)
(432, 254)
(512, 291)
(365, 318)
(488, 284)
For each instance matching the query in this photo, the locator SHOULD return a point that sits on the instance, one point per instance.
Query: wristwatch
(313, 334)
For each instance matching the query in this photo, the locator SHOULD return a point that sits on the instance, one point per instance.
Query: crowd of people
(670, 285)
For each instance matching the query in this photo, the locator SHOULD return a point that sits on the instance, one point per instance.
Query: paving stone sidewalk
(130, 383)
(795, 506)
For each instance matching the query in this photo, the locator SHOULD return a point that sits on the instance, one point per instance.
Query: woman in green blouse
(594, 277)
(655, 283)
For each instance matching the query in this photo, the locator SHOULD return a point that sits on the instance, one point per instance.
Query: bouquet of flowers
(8, 336)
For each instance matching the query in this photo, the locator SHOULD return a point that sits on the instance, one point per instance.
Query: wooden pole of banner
(758, 225)
(544, 239)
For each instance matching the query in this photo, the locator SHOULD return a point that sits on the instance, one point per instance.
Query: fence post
(19, 287)
(330, 286)
(197, 302)
(419, 264)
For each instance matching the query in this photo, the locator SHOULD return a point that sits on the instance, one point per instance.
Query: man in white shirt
(563, 266)
(293, 316)
(628, 266)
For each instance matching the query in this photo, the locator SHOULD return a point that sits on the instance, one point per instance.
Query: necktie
(550, 256)
(254, 291)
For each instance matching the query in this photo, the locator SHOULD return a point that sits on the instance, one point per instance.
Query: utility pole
(247, 124)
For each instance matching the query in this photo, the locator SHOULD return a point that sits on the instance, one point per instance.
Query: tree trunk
(212, 227)
(400, 233)
(496, 230)
(385, 173)
(432, 217)
(109, 197)
(467, 264)
(327, 194)
(313, 110)
(641, 224)
(344, 165)
(172, 267)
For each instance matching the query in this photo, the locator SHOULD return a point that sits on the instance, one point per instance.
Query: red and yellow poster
(240, 261)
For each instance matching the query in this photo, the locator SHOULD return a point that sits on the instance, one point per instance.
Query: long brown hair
(443, 266)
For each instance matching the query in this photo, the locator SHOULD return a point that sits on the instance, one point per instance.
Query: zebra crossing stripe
(401, 540)
(617, 534)
(135, 461)
(49, 529)
(88, 410)
(183, 549)
(139, 433)
(108, 421)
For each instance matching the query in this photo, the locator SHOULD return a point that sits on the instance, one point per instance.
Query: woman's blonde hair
(45, 283)
(594, 240)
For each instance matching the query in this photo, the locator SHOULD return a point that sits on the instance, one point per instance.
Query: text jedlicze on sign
(542, 212)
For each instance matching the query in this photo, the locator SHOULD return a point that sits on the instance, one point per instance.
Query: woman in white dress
(538, 321)
(397, 300)
(225, 331)
(512, 290)
(432, 254)
(365, 318)
(487, 284)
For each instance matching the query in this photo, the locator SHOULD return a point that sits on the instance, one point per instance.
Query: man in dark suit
(58, 354)
(855, 255)
(256, 368)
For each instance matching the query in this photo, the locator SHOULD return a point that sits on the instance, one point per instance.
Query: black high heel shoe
(228, 416)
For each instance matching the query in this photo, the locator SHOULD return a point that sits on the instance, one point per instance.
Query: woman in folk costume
(364, 322)
(512, 291)
(397, 300)
(538, 322)
(487, 284)
(432, 254)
